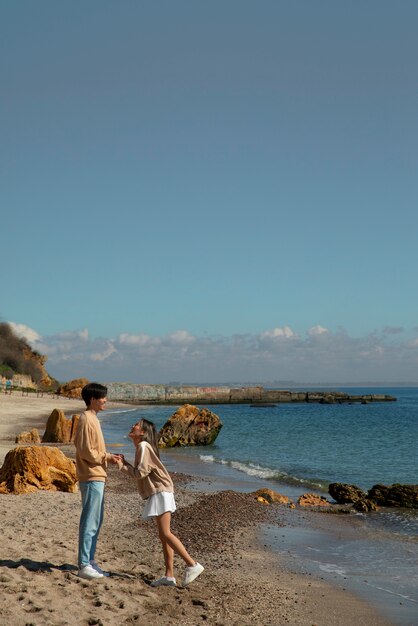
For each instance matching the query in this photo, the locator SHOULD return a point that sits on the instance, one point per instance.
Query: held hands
(115, 458)
(119, 460)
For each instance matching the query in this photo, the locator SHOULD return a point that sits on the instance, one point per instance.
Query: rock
(310, 499)
(31, 436)
(314, 396)
(29, 468)
(73, 388)
(270, 496)
(396, 495)
(345, 494)
(364, 505)
(327, 399)
(262, 500)
(190, 426)
(59, 429)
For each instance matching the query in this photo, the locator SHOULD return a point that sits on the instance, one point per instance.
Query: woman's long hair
(150, 434)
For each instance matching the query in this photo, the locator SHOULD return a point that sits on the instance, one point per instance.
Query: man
(91, 465)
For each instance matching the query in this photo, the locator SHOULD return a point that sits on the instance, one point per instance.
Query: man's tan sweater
(91, 457)
(150, 473)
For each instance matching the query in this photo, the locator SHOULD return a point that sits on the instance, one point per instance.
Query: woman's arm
(142, 466)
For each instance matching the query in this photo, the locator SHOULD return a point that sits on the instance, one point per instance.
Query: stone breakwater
(256, 395)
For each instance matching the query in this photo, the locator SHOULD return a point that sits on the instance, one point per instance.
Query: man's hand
(117, 459)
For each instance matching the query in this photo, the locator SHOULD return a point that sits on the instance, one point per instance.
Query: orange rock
(261, 500)
(73, 388)
(271, 496)
(59, 429)
(31, 468)
(190, 426)
(28, 437)
(310, 499)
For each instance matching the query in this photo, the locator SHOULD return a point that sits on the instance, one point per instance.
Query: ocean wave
(266, 473)
(332, 568)
(119, 411)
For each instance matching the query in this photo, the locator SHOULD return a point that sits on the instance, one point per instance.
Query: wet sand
(244, 583)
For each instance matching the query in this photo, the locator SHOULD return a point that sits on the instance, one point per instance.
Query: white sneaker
(88, 572)
(97, 567)
(191, 573)
(164, 581)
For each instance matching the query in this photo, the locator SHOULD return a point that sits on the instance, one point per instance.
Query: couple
(154, 485)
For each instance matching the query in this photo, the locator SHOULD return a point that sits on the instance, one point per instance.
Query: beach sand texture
(243, 583)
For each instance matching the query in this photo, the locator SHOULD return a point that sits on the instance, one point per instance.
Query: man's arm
(86, 448)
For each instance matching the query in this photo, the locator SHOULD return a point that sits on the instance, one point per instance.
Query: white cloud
(134, 340)
(104, 354)
(181, 337)
(317, 330)
(278, 354)
(24, 332)
(375, 351)
(84, 334)
(278, 332)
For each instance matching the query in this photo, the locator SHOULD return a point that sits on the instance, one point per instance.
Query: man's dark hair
(93, 390)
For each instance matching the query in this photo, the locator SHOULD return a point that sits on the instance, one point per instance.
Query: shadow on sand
(46, 566)
(36, 566)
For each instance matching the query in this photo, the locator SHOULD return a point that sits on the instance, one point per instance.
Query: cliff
(19, 362)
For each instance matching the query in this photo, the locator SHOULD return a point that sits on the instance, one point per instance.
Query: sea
(296, 448)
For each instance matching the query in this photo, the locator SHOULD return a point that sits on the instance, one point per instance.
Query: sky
(211, 191)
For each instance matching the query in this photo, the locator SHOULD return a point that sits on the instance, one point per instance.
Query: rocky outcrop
(46, 381)
(405, 496)
(31, 436)
(59, 429)
(190, 426)
(20, 361)
(31, 468)
(351, 494)
(346, 494)
(73, 388)
(365, 505)
(310, 499)
(269, 496)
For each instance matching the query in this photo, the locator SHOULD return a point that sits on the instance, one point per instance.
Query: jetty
(255, 395)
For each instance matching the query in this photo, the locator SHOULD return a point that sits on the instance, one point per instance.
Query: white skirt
(159, 503)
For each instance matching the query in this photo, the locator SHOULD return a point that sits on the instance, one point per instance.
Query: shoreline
(344, 550)
(221, 528)
(20, 413)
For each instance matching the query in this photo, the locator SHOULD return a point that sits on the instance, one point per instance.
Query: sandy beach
(243, 582)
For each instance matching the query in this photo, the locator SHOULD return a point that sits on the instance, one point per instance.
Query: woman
(156, 487)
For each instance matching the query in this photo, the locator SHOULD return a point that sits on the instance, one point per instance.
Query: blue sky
(211, 191)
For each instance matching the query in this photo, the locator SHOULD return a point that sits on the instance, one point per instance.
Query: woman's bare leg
(170, 541)
(168, 558)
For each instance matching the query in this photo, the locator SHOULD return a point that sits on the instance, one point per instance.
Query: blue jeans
(92, 501)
